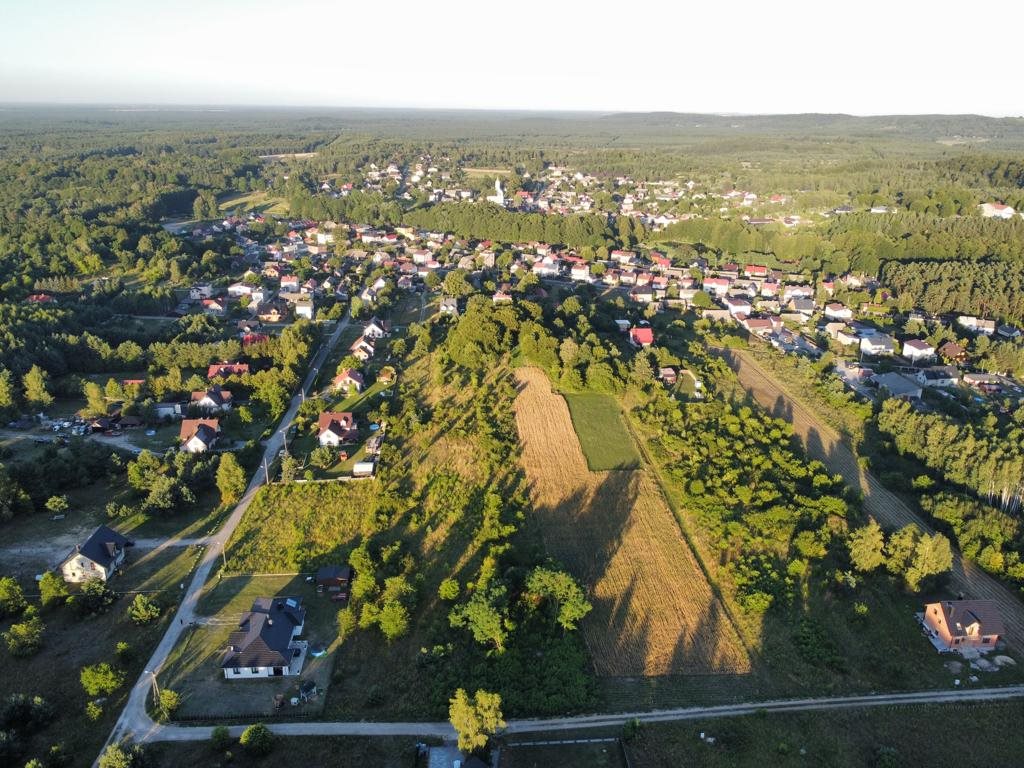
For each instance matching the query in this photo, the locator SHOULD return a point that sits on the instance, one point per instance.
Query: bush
(122, 755)
(143, 610)
(95, 597)
(449, 589)
(169, 703)
(52, 589)
(101, 679)
(125, 653)
(24, 713)
(25, 638)
(347, 622)
(257, 740)
(94, 710)
(220, 738)
(12, 599)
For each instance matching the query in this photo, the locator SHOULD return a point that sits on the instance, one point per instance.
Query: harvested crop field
(654, 612)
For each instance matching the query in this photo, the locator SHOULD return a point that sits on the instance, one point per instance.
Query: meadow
(597, 420)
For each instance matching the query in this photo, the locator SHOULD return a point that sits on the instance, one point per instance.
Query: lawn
(597, 420)
(605, 754)
(960, 734)
(295, 752)
(70, 642)
(193, 668)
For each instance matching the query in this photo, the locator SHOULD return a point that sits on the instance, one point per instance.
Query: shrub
(143, 610)
(12, 599)
(25, 638)
(169, 703)
(347, 622)
(449, 589)
(257, 740)
(95, 597)
(25, 714)
(52, 589)
(122, 755)
(94, 710)
(220, 738)
(124, 651)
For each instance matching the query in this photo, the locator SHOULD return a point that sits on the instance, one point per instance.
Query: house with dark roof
(953, 625)
(334, 578)
(98, 557)
(348, 381)
(265, 643)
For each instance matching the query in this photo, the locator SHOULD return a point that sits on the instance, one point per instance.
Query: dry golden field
(654, 612)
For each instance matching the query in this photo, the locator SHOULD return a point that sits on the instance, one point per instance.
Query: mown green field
(603, 437)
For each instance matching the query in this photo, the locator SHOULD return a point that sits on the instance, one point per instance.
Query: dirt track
(654, 612)
(825, 444)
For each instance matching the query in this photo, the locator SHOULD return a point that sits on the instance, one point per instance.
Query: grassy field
(962, 734)
(602, 435)
(70, 642)
(294, 752)
(260, 202)
(601, 755)
(654, 612)
(193, 669)
(290, 528)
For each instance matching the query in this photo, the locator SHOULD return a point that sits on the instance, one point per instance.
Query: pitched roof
(205, 429)
(339, 422)
(264, 633)
(103, 545)
(642, 335)
(960, 614)
(217, 395)
(226, 369)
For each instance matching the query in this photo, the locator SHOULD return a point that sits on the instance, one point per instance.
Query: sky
(737, 56)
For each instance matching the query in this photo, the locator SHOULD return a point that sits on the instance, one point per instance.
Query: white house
(336, 427)
(940, 376)
(237, 290)
(198, 435)
(98, 557)
(878, 344)
(212, 399)
(837, 311)
(737, 306)
(375, 329)
(918, 349)
(976, 324)
(265, 643)
(580, 273)
(304, 308)
(996, 211)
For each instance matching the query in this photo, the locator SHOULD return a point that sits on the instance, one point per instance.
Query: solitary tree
(95, 400)
(230, 479)
(36, 393)
(25, 637)
(52, 589)
(475, 718)
(143, 610)
(101, 679)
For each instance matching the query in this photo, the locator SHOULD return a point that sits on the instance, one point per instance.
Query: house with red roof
(641, 337)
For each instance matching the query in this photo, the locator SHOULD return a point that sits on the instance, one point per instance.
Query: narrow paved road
(134, 721)
(616, 720)
(824, 443)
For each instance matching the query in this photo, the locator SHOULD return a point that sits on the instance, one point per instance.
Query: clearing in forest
(654, 611)
(603, 436)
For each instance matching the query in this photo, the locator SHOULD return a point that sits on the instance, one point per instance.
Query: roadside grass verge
(598, 423)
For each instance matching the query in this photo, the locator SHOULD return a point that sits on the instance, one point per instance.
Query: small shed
(334, 578)
(363, 469)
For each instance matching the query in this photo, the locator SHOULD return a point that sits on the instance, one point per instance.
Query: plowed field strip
(654, 612)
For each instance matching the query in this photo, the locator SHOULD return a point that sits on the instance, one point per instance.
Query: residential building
(916, 350)
(957, 624)
(265, 644)
(348, 381)
(897, 385)
(198, 435)
(878, 344)
(98, 557)
(336, 427)
(213, 399)
(641, 337)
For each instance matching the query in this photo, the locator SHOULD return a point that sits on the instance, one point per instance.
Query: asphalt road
(134, 721)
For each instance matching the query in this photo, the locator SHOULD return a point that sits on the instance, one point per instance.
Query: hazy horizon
(755, 59)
